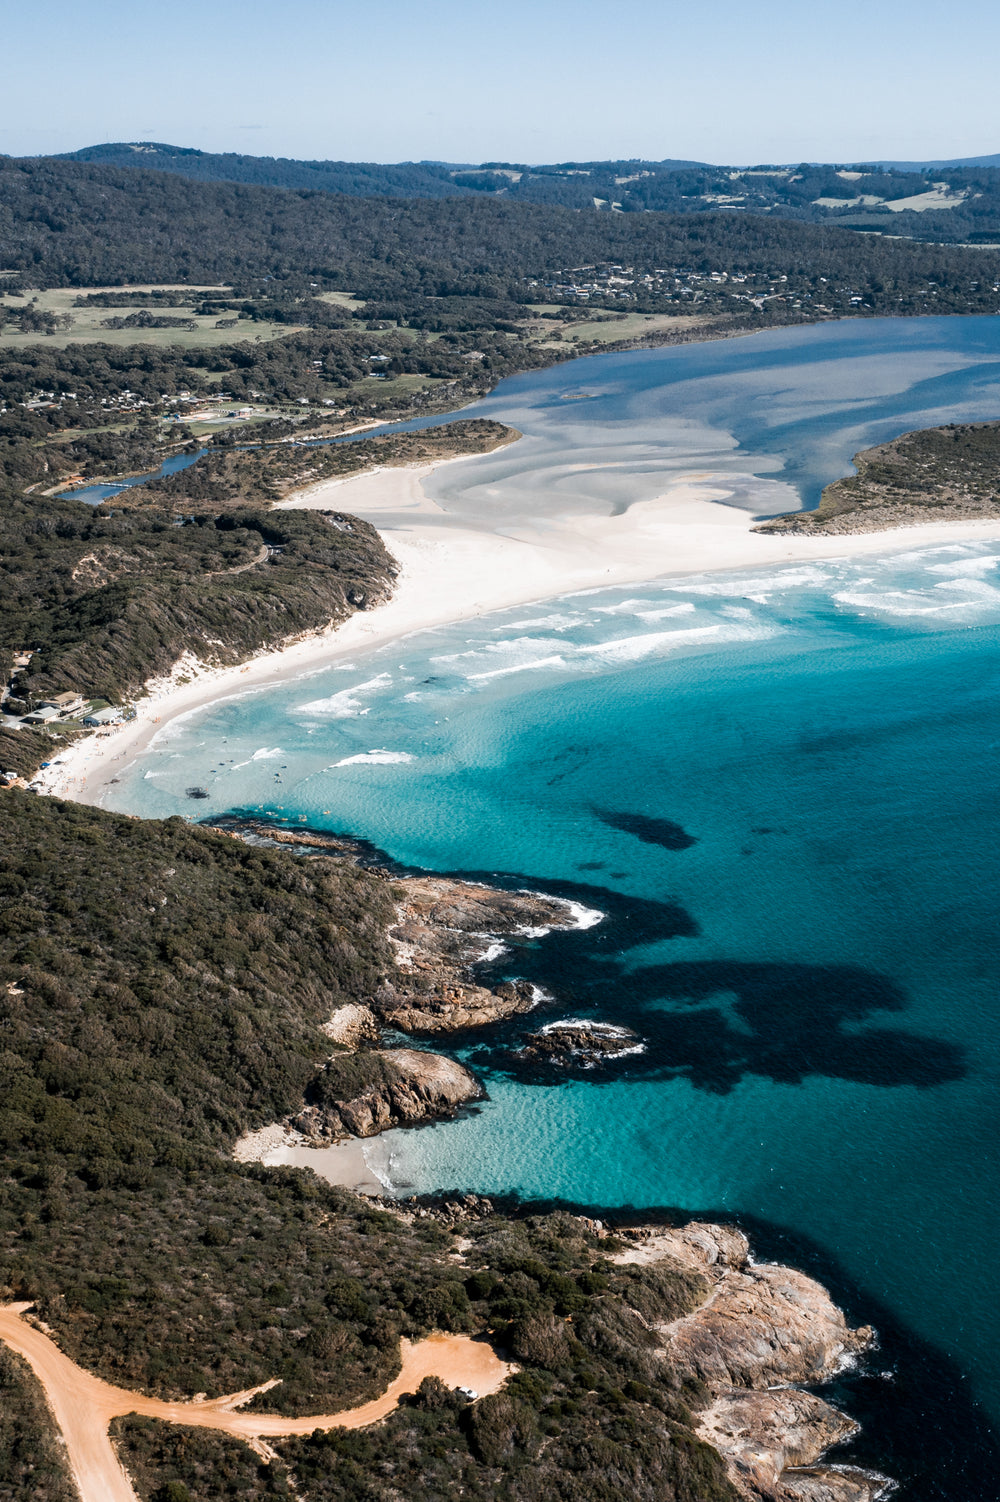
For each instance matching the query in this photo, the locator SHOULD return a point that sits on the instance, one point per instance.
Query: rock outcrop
(762, 1329)
(408, 1087)
(444, 928)
(352, 1025)
(580, 1044)
(762, 1434)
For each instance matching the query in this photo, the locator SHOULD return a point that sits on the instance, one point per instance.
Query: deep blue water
(814, 972)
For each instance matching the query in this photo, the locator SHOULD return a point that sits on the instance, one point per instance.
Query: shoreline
(450, 572)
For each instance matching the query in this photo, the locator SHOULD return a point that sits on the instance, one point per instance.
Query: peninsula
(145, 1033)
(934, 476)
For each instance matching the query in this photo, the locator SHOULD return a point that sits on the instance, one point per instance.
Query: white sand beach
(343, 1163)
(455, 571)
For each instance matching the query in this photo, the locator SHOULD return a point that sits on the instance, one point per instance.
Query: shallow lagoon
(815, 975)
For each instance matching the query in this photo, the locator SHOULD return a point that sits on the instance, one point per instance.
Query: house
(42, 716)
(112, 715)
(62, 703)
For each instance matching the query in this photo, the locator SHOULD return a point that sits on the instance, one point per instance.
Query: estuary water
(780, 787)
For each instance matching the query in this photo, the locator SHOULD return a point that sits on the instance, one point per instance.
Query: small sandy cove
(83, 1406)
(452, 572)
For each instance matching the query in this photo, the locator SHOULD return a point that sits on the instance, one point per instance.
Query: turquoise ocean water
(812, 970)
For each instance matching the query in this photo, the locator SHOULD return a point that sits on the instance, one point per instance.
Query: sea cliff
(762, 1335)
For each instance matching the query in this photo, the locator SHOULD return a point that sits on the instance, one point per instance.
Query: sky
(730, 81)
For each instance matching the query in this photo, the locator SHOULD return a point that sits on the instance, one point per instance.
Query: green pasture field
(87, 322)
(394, 387)
(341, 299)
(611, 328)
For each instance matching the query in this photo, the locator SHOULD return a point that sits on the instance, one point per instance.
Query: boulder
(352, 1025)
(412, 1087)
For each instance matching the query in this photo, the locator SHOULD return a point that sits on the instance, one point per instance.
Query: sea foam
(346, 704)
(375, 758)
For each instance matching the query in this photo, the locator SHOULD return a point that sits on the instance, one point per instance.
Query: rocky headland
(395, 1087)
(757, 1336)
(443, 929)
(762, 1334)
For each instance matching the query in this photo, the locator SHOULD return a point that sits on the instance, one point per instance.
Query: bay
(813, 973)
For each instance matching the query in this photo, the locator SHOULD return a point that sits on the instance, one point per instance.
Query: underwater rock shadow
(725, 1019)
(714, 1022)
(651, 831)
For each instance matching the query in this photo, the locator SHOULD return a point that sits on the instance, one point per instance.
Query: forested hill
(71, 224)
(369, 179)
(949, 202)
(360, 179)
(162, 988)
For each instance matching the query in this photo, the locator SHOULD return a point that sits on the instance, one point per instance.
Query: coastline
(450, 572)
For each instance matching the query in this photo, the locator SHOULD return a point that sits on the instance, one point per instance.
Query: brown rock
(762, 1324)
(449, 1007)
(578, 1043)
(414, 1087)
(761, 1329)
(444, 928)
(821, 1484)
(352, 1025)
(760, 1434)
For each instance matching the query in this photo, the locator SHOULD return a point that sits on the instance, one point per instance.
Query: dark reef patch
(714, 1022)
(662, 832)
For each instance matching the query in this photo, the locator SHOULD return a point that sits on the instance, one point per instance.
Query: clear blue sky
(524, 80)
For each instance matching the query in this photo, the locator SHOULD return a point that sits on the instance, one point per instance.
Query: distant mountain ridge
(941, 202)
(358, 179)
(962, 161)
(438, 178)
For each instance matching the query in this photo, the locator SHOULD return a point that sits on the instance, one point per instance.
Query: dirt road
(84, 1406)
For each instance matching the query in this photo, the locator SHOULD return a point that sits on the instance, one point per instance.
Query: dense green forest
(162, 988)
(105, 601)
(968, 209)
(31, 1462)
(75, 224)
